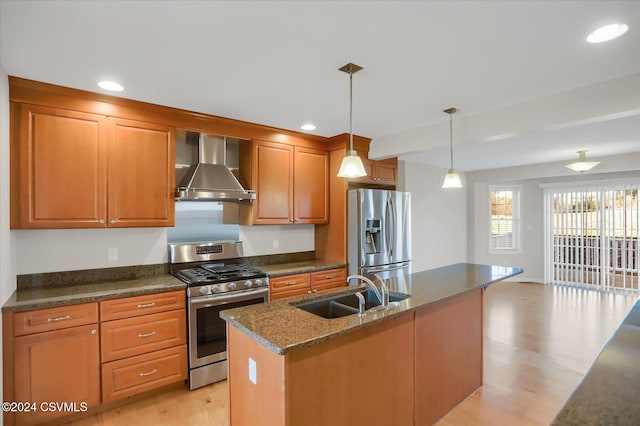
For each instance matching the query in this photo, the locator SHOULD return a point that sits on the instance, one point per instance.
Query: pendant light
(582, 164)
(351, 166)
(451, 180)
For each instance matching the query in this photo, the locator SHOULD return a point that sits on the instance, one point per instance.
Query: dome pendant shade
(452, 180)
(351, 166)
(582, 164)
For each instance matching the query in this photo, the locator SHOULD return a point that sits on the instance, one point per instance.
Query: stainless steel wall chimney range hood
(210, 178)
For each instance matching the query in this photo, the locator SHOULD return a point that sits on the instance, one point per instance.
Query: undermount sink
(347, 304)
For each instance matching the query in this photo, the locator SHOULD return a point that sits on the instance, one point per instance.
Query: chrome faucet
(360, 304)
(382, 294)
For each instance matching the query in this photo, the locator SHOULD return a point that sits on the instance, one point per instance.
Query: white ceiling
(275, 63)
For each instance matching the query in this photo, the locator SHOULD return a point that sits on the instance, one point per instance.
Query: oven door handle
(227, 298)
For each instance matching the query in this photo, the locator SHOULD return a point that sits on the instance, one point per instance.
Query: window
(505, 219)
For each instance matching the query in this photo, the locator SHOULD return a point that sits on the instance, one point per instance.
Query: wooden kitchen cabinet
(60, 365)
(72, 169)
(291, 183)
(383, 172)
(300, 284)
(143, 343)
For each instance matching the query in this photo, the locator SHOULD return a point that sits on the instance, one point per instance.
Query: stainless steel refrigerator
(379, 236)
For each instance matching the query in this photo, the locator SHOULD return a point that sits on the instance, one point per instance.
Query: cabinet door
(273, 166)
(57, 366)
(141, 174)
(385, 172)
(311, 185)
(58, 162)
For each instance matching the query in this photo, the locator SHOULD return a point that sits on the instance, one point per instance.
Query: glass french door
(591, 236)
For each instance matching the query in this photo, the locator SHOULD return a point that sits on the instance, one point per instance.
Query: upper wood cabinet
(383, 172)
(73, 169)
(291, 183)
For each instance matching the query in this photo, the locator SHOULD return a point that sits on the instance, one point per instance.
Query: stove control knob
(233, 286)
(215, 289)
(248, 283)
(258, 282)
(203, 290)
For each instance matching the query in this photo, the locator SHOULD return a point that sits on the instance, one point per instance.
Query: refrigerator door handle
(394, 241)
(387, 226)
(387, 268)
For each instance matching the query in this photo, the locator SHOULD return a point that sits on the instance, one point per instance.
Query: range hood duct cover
(210, 178)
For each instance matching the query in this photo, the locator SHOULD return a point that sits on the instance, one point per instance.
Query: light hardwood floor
(539, 342)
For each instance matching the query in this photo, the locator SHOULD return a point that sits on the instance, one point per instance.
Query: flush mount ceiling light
(451, 180)
(308, 126)
(351, 166)
(111, 86)
(606, 33)
(582, 164)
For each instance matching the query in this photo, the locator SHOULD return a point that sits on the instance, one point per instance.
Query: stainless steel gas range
(217, 280)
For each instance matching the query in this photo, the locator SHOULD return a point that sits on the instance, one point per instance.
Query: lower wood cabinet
(141, 373)
(300, 284)
(59, 365)
(71, 354)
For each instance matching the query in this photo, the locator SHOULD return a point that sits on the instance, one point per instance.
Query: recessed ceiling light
(111, 85)
(308, 126)
(606, 33)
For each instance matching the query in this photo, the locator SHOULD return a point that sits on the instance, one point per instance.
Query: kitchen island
(407, 365)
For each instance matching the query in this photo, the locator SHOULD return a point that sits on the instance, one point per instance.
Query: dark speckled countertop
(284, 328)
(39, 297)
(282, 269)
(609, 393)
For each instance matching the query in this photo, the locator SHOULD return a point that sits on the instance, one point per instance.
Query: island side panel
(448, 363)
(260, 403)
(361, 378)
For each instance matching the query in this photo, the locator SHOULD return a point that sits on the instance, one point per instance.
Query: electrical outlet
(112, 254)
(276, 244)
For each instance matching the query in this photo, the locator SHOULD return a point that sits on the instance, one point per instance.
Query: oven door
(207, 331)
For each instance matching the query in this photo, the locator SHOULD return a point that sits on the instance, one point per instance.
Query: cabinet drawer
(329, 276)
(54, 318)
(289, 283)
(141, 305)
(141, 373)
(285, 294)
(134, 336)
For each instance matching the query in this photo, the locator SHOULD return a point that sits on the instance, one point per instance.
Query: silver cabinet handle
(290, 282)
(101, 221)
(94, 331)
(113, 221)
(148, 373)
(328, 277)
(146, 305)
(66, 317)
(147, 334)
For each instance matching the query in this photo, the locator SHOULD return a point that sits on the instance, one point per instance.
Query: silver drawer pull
(66, 317)
(290, 282)
(148, 373)
(329, 277)
(147, 305)
(147, 335)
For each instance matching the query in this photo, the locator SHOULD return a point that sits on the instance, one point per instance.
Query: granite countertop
(283, 328)
(609, 393)
(39, 297)
(282, 269)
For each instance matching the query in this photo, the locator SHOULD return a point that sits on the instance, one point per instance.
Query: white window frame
(516, 219)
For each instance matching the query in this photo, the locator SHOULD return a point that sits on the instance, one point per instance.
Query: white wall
(438, 216)
(530, 177)
(7, 276)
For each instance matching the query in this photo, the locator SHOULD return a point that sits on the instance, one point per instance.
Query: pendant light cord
(350, 111)
(451, 138)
